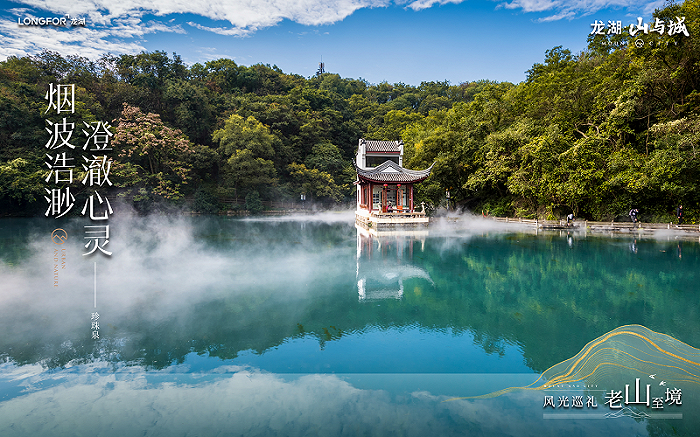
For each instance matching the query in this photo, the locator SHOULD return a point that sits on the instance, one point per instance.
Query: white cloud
(122, 35)
(17, 41)
(559, 16)
(532, 5)
(119, 26)
(569, 9)
(561, 9)
(19, 11)
(240, 13)
(650, 7)
(99, 402)
(233, 31)
(418, 5)
(156, 26)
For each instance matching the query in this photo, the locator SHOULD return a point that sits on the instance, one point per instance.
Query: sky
(407, 41)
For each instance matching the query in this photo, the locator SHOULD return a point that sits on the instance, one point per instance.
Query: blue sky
(406, 41)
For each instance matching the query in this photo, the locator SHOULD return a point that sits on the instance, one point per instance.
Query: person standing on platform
(679, 214)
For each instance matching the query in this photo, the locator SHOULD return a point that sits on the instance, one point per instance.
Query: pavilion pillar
(411, 196)
(371, 197)
(399, 206)
(384, 197)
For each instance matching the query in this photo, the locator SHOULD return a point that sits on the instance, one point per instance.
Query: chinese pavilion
(384, 187)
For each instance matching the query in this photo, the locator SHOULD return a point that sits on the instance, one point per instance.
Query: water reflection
(241, 402)
(220, 286)
(384, 276)
(213, 304)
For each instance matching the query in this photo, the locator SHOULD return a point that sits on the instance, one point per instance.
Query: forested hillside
(596, 133)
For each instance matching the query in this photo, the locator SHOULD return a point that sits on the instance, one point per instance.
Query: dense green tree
(394, 123)
(253, 203)
(20, 182)
(313, 183)
(152, 156)
(326, 157)
(249, 173)
(239, 134)
(189, 109)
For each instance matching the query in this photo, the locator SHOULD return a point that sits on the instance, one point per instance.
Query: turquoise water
(309, 326)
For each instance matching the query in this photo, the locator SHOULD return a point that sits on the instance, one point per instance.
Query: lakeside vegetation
(596, 133)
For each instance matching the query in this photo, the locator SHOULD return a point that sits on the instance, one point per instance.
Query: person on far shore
(679, 214)
(569, 219)
(633, 215)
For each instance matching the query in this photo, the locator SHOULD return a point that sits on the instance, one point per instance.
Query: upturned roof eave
(379, 181)
(377, 175)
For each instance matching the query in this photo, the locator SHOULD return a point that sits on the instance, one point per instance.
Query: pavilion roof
(382, 146)
(391, 172)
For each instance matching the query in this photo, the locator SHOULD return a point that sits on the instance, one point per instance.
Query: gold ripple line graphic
(613, 334)
(588, 347)
(587, 355)
(561, 379)
(588, 352)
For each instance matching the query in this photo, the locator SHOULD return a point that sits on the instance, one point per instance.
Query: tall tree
(152, 156)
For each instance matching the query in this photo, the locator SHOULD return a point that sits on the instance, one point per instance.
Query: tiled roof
(390, 171)
(382, 146)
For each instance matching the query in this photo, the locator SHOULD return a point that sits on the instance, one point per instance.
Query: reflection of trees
(535, 292)
(15, 235)
(555, 300)
(550, 300)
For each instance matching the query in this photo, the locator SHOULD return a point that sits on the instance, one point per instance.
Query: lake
(295, 326)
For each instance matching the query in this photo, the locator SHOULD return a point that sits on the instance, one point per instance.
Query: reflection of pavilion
(383, 264)
(385, 188)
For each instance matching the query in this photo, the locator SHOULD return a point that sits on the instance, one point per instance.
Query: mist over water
(196, 305)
